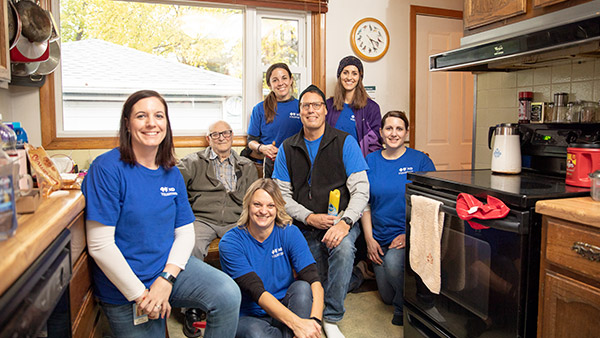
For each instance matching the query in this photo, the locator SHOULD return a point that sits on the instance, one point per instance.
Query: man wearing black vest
(308, 166)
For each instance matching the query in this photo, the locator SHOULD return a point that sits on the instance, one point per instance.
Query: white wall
(389, 74)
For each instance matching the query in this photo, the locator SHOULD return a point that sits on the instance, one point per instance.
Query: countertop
(35, 232)
(580, 209)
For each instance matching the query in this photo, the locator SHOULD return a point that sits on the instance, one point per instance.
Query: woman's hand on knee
(158, 296)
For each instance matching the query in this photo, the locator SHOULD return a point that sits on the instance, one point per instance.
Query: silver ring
(400, 243)
(158, 306)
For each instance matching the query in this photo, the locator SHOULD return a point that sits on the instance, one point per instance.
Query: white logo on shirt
(405, 170)
(166, 191)
(352, 118)
(294, 115)
(276, 252)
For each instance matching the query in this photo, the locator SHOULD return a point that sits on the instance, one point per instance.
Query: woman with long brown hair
(140, 232)
(276, 118)
(351, 109)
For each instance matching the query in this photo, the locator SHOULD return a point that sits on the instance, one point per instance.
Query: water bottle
(8, 138)
(8, 212)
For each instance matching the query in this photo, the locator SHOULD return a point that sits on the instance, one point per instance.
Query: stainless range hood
(565, 35)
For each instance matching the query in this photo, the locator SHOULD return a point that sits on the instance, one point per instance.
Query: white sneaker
(332, 330)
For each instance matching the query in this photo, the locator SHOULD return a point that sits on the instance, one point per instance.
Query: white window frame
(252, 80)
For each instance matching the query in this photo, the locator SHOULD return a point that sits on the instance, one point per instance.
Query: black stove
(521, 191)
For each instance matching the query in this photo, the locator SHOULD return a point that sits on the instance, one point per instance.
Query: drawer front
(562, 240)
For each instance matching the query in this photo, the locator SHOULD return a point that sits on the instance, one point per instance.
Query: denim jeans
(390, 278)
(198, 286)
(335, 269)
(298, 299)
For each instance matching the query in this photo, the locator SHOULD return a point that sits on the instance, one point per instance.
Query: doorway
(441, 103)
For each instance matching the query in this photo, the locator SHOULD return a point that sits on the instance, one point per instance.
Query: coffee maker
(544, 145)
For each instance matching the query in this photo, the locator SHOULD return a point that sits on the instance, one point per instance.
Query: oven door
(484, 277)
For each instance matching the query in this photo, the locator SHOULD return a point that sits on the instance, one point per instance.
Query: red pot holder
(469, 207)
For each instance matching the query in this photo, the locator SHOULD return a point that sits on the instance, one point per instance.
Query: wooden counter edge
(34, 234)
(580, 209)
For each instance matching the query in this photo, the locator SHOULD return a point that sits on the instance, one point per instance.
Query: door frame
(414, 11)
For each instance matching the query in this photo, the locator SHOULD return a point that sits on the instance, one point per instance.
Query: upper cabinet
(482, 15)
(4, 57)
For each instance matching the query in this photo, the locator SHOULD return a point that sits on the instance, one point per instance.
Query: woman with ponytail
(276, 118)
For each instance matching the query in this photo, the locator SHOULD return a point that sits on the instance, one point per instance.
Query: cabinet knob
(588, 251)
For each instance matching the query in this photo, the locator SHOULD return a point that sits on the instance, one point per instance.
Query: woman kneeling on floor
(261, 254)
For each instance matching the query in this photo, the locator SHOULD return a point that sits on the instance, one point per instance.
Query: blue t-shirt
(272, 260)
(346, 122)
(353, 158)
(145, 206)
(387, 181)
(286, 123)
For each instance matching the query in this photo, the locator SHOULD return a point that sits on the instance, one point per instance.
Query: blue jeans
(298, 299)
(390, 278)
(198, 286)
(335, 269)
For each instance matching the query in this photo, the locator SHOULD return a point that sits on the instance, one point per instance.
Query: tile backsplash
(498, 101)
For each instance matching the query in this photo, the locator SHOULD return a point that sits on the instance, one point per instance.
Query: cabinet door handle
(588, 251)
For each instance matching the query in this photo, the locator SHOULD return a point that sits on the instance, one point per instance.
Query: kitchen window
(207, 60)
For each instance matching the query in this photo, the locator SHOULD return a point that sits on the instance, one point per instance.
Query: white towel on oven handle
(426, 226)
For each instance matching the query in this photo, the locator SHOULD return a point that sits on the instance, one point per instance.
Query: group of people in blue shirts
(282, 254)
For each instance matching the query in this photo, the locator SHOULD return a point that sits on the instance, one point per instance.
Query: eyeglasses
(315, 105)
(224, 133)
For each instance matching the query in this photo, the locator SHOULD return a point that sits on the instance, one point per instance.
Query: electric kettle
(506, 153)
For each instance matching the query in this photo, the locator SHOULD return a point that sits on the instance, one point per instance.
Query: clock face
(370, 39)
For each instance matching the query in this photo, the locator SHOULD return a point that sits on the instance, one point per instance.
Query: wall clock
(370, 39)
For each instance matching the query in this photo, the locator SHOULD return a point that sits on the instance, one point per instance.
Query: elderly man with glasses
(308, 166)
(216, 179)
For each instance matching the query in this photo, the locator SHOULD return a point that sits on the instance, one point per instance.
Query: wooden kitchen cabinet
(85, 312)
(482, 15)
(569, 299)
(4, 56)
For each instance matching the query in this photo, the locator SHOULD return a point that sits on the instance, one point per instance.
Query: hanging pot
(14, 25)
(24, 69)
(36, 24)
(48, 66)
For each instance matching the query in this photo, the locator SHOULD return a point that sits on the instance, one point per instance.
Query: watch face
(371, 39)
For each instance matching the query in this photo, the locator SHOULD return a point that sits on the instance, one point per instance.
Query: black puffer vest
(328, 172)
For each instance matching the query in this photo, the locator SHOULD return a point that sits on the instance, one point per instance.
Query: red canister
(582, 159)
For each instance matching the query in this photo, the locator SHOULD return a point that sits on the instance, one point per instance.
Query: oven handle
(501, 223)
(515, 221)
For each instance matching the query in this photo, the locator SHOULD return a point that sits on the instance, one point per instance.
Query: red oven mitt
(468, 207)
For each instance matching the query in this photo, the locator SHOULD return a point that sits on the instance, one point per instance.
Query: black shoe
(195, 319)
(398, 320)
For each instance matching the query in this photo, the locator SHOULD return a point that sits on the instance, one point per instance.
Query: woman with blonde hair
(276, 118)
(351, 110)
(261, 255)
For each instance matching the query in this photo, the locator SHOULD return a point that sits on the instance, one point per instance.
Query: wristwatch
(348, 221)
(169, 277)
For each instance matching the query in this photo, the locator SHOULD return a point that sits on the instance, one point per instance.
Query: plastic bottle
(8, 213)
(20, 132)
(334, 203)
(9, 139)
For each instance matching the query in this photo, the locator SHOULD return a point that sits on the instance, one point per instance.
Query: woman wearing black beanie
(351, 110)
